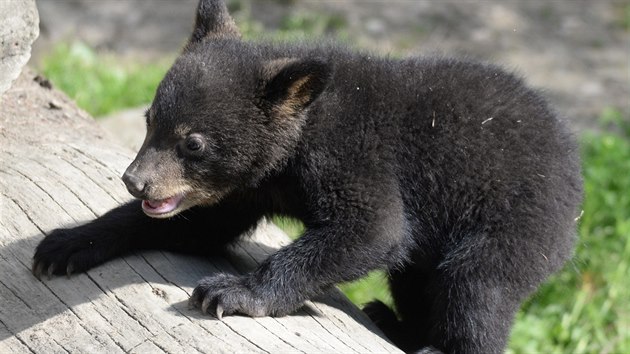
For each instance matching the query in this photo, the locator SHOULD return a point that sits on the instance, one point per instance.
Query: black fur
(450, 174)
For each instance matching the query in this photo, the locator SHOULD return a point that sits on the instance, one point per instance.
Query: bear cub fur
(451, 175)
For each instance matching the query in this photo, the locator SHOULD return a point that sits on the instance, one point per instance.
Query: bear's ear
(213, 21)
(290, 85)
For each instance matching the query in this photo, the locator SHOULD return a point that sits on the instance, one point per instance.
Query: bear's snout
(135, 185)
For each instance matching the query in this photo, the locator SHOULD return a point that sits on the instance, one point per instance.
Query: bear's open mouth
(161, 207)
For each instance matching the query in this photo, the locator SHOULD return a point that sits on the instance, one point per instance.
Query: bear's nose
(136, 186)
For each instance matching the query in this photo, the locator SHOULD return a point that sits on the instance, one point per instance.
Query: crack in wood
(125, 308)
(80, 323)
(70, 309)
(314, 317)
(106, 319)
(91, 179)
(94, 159)
(17, 296)
(45, 191)
(246, 339)
(93, 162)
(60, 180)
(27, 215)
(56, 342)
(17, 337)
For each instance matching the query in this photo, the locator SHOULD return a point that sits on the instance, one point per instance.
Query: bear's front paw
(64, 251)
(225, 294)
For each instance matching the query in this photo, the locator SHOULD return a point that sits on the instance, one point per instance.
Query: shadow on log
(57, 168)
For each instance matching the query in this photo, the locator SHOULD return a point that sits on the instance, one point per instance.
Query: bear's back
(468, 143)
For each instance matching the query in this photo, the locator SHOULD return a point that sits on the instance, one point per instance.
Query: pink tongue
(161, 206)
(157, 204)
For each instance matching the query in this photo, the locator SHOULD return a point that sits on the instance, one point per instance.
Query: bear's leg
(446, 314)
(412, 295)
(127, 228)
(358, 238)
(480, 283)
(469, 315)
(460, 307)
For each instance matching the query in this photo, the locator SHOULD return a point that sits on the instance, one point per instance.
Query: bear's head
(225, 116)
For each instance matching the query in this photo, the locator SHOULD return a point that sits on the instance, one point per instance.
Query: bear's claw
(224, 295)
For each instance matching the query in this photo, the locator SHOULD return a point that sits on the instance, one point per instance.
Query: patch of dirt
(576, 51)
(31, 113)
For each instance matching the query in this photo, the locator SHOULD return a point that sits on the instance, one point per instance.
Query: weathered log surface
(57, 168)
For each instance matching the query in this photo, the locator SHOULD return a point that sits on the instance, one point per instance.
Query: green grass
(583, 309)
(623, 9)
(101, 84)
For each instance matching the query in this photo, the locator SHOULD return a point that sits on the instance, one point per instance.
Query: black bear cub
(451, 175)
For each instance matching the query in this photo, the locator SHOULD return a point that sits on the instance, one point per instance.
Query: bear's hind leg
(470, 316)
(412, 295)
(448, 309)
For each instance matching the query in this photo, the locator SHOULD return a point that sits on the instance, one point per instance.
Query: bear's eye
(194, 143)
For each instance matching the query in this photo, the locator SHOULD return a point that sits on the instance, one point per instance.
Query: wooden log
(57, 168)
